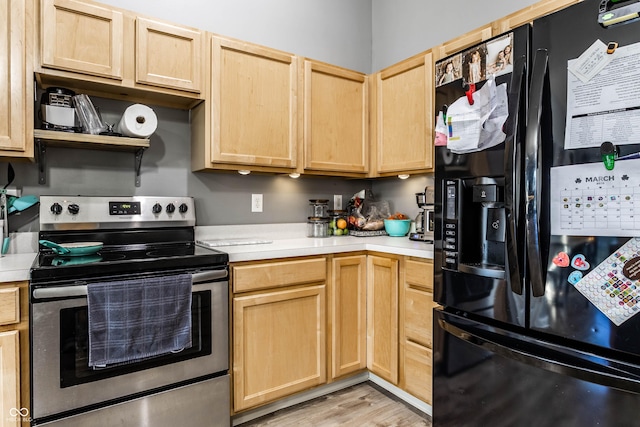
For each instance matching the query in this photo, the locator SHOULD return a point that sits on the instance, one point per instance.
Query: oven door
(61, 378)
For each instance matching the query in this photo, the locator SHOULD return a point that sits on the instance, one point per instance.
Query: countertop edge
(16, 267)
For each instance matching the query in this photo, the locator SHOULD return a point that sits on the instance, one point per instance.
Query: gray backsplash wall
(364, 35)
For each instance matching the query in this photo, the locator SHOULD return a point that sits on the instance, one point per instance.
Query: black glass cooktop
(123, 256)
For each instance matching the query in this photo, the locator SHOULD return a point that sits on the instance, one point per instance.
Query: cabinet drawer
(252, 277)
(418, 315)
(419, 273)
(9, 306)
(417, 371)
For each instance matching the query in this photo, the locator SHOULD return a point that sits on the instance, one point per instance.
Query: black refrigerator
(537, 235)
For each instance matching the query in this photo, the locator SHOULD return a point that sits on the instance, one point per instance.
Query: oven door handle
(208, 276)
(81, 290)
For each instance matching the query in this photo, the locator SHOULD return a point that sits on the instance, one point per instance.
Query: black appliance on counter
(142, 238)
(535, 253)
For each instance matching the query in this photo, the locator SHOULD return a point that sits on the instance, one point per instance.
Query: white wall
(333, 31)
(403, 28)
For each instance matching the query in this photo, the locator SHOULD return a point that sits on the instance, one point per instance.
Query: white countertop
(15, 267)
(287, 240)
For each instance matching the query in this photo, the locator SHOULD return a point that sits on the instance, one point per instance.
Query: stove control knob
(183, 208)
(73, 209)
(157, 208)
(171, 208)
(56, 209)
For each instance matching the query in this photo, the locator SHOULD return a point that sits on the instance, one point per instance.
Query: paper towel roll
(138, 121)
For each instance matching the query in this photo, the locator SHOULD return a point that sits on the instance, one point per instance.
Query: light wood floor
(360, 405)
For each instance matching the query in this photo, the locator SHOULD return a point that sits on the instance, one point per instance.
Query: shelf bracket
(138, 164)
(41, 149)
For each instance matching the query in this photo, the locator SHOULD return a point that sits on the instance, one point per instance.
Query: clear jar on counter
(318, 226)
(318, 207)
(338, 223)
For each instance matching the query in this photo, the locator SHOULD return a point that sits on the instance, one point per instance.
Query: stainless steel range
(142, 243)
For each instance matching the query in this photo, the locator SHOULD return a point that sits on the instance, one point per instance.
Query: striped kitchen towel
(136, 319)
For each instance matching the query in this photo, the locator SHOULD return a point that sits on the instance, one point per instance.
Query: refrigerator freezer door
(485, 376)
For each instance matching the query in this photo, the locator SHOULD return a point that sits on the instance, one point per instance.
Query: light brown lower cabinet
(378, 314)
(416, 328)
(382, 316)
(14, 353)
(348, 315)
(10, 378)
(279, 340)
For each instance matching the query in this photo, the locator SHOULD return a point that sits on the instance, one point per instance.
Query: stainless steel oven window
(52, 391)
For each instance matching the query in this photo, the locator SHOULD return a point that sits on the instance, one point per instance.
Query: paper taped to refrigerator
(589, 200)
(606, 107)
(613, 286)
(477, 126)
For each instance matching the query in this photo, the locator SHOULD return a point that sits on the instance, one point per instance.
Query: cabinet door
(528, 14)
(460, 43)
(16, 102)
(336, 119)
(382, 317)
(11, 410)
(254, 111)
(404, 108)
(168, 55)
(82, 37)
(417, 328)
(348, 315)
(278, 344)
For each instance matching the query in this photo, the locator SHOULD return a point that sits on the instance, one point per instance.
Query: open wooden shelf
(84, 140)
(44, 138)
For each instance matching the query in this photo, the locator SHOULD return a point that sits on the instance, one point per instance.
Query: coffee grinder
(424, 220)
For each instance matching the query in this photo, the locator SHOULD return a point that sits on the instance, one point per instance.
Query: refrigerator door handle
(511, 172)
(553, 358)
(532, 148)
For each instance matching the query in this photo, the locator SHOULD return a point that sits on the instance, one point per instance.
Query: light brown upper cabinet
(403, 124)
(464, 41)
(168, 55)
(528, 14)
(250, 119)
(82, 37)
(16, 86)
(336, 120)
(105, 51)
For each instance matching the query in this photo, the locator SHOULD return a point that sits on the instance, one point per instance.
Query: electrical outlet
(256, 203)
(337, 201)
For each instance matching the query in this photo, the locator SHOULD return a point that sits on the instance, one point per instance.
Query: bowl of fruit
(397, 225)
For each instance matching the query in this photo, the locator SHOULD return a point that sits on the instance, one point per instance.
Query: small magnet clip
(469, 88)
(611, 47)
(609, 154)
